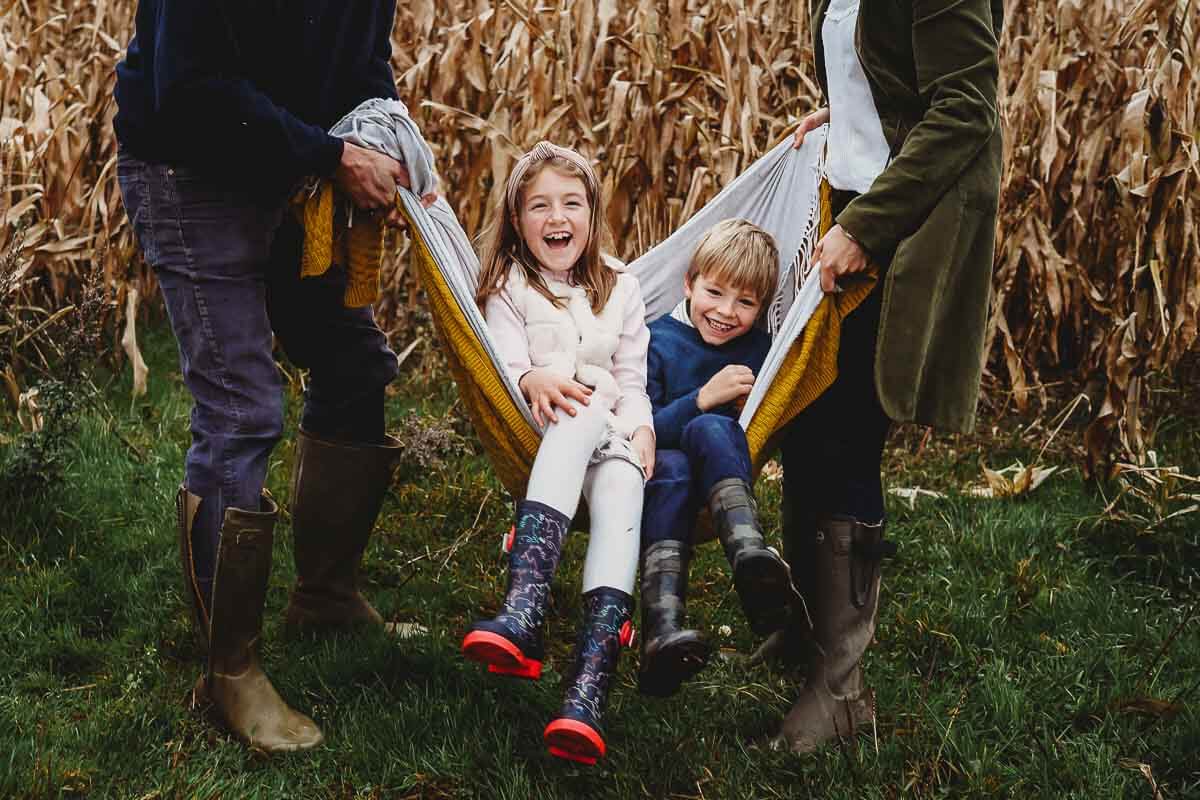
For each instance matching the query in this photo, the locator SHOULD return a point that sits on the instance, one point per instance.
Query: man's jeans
(228, 265)
(712, 448)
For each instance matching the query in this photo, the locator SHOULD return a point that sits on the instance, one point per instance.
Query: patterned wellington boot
(762, 578)
(511, 642)
(671, 653)
(576, 733)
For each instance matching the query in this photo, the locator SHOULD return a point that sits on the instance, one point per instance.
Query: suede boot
(670, 653)
(234, 682)
(844, 603)
(762, 578)
(576, 734)
(337, 491)
(511, 642)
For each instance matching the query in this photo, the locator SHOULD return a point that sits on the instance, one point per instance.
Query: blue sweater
(680, 362)
(247, 90)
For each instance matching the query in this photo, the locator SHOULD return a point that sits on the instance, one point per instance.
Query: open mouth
(719, 327)
(558, 241)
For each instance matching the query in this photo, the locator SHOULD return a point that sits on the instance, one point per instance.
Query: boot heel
(764, 586)
(501, 656)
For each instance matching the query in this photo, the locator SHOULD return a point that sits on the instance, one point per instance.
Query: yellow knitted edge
(509, 439)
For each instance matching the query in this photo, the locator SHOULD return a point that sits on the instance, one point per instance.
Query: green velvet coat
(933, 69)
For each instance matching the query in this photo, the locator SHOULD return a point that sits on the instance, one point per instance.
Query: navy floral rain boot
(511, 642)
(576, 733)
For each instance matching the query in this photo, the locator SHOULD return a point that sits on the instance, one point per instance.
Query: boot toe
(574, 740)
(764, 586)
(670, 660)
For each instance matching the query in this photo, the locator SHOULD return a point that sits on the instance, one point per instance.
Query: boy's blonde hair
(738, 253)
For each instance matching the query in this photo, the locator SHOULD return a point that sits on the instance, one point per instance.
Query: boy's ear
(687, 286)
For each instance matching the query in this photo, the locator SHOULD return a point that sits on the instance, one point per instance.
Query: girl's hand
(643, 444)
(545, 389)
(838, 254)
(814, 120)
(731, 383)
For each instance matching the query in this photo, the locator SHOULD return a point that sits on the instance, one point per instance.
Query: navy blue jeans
(228, 266)
(713, 448)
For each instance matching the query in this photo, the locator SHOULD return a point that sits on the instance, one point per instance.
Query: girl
(572, 333)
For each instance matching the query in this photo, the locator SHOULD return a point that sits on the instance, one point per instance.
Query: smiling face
(555, 220)
(719, 311)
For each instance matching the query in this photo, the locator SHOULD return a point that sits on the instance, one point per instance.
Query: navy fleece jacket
(247, 90)
(680, 362)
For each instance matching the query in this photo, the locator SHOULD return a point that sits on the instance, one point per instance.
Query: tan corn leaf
(129, 343)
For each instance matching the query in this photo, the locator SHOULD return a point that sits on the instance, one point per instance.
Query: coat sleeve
(198, 90)
(379, 81)
(629, 360)
(507, 328)
(669, 415)
(956, 67)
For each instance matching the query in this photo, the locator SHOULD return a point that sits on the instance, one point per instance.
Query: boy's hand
(731, 383)
(545, 389)
(811, 122)
(643, 444)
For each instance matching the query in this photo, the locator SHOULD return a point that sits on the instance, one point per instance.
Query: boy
(701, 365)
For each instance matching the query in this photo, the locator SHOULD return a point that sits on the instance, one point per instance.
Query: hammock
(783, 192)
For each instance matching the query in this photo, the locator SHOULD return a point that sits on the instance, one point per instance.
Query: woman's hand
(643, 444)
(838, 254)
(814, 120)
(545, 389)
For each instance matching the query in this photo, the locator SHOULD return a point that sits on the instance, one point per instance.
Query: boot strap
(867, 549)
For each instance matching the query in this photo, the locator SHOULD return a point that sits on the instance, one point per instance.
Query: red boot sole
(502, 656)
(574, 741)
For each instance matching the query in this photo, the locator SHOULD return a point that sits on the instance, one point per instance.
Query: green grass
(1020, 647)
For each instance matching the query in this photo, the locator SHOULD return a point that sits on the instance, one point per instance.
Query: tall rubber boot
(186, 506)
(576, 733)
(234, 682)
(511, 642)
(670, 653)
(845, 600)
(762, 579)
(337, 491)
(789, 646)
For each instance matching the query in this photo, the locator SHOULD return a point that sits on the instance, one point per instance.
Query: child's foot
(764, 585)
(671, 659)
(576, 734)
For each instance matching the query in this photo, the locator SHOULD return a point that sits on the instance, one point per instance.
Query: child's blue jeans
(713, 448)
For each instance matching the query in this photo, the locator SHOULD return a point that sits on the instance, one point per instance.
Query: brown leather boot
(337, 491)
(843, 602)
(234, 683)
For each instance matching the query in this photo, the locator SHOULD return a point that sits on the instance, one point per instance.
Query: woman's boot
(234, 682)
(576, 734)
(511, 642)
(762, 578)
(337, 491)
(843, 603)
(670, 653)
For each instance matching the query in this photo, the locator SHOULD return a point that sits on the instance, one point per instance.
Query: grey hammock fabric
(780, 193)
(385, 125)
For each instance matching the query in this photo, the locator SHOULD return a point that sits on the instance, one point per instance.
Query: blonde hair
(503, 245)
(738, 253)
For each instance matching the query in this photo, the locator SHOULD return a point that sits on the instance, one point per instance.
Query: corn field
(1098, 262)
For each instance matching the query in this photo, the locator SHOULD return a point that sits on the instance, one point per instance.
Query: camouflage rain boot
(670, 653)
(337, 491)
(234, 682)
(762, 578)
(790, 645)
(844, 602)
(576, 734)
(511, 642)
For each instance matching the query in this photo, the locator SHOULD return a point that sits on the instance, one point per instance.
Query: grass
(1022, 650)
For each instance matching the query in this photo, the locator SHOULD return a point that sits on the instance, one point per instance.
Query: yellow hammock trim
(511, 442)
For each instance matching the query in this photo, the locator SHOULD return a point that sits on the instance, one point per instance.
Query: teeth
(558, 236)
(720, 325)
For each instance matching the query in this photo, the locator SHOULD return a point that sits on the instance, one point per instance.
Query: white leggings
(613, 489)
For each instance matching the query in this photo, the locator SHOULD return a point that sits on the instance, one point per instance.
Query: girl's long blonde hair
(503, 244)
